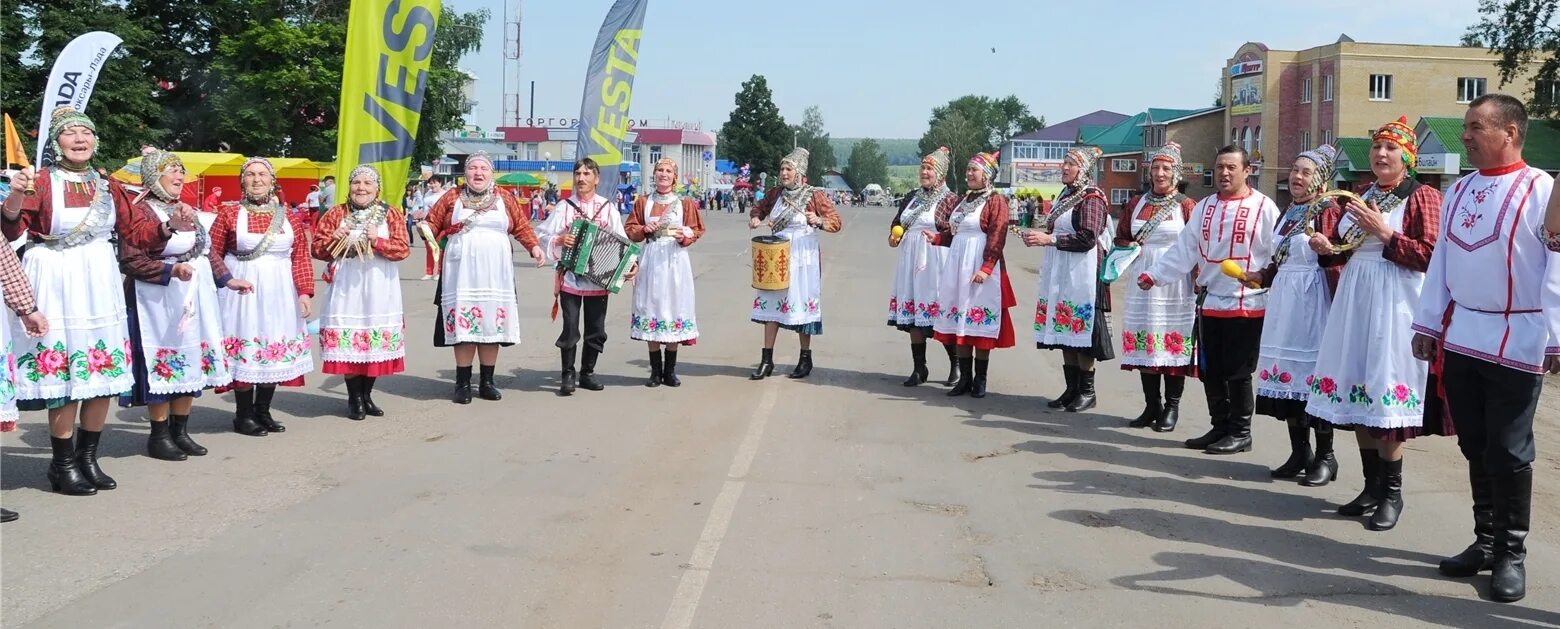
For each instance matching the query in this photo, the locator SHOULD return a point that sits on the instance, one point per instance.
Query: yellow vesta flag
(389, 44)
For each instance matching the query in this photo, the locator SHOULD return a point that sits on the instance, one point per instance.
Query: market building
(547, 153)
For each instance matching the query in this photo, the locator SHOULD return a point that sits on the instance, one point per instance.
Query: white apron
(1064, 310)
(799, 304)
(479, 279)
(267, 339)
(663, 291)
(918, 273)
(86, 353)
(181, 323)
(1157, 323)
(7, 374)
(1366, 373)
(1297, 308)
(362, 320)
(964, 308)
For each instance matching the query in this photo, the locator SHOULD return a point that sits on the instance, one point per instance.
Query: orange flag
(14, 154)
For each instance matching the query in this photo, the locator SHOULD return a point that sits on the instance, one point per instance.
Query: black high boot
(1070, 374)
(1218, 392)
(803, 366)
(766, 365)
(366, 391)
(160, 445)
(1370, 496)
(1174, 387)
(86, 459)
(655, 369)
(263, 395)
(918, 373)
(485, 387)
(179, 429)
(567, 378)
(588, 371)
(64, 472)
(1324, 466)
(669, 375)
(1084, 400)
(1513, 507)
(953, 364)
(1238, 425)
(1391, 506)
(462, 393)
(1480, 555)
(1299, 451)
(244, 414)
(966, 377)
(1153, 409)
(355, 410)
(7, 515)
(978, 385)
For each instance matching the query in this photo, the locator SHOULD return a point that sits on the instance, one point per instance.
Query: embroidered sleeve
(1413, 246)
(302, 268)
(519, 223)
(824, 208)
(693, 221)
(439, 215)
(635, 227)
(993, 220)
(220, 233)
(138, 262)
(941, 216)
(1124, 226)
(27, 206)
(1551, 240)
(764, 206)
(13, 281)
(397, 247)
(1089, 219)
(136, 226)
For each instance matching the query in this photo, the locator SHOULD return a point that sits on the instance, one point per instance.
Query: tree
(811, 136)
(999, 119)
(1520, 32)
(278, 87)
(868, 165)
(755, 133)
(963, 137)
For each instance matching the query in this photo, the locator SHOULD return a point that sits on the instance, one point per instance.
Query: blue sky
(876, 68)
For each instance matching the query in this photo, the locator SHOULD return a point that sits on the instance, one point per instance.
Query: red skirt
(245, 386)
(371, 370)
(1004, 335)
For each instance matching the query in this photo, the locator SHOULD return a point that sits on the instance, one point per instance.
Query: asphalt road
(844, 500)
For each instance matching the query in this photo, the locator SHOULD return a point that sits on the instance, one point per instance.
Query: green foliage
(867, 165)
(810, 135)
(971, 124)
(900, 151)
(1521, 32)
(963, 137)
(278, 88)
(755, 133)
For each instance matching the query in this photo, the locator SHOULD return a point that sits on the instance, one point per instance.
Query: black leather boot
(244, 414)
(1513, 507)
(485, 387)
(1218, 392)
(978, 384)
(1324, 466)
(1174, 387)
(1070, 374)
(1480, 555)
(7, 515)
(355, 399)
(263, 395)
(803, 366)
(669, 374)
(918, 372)
(462, 393)
(160, 445)
(1299, 451)
(766, 365)
(966, 377)
(953, 364)
(1153, 409)
(1238, 425)
(655, 369)
(588, 371)
(1370, 496)
(64, 472)
(86, 459)
(366, 391)
(179, 429)
(1391, 506)
(567, 380)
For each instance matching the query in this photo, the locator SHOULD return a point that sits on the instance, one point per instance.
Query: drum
(771, 263)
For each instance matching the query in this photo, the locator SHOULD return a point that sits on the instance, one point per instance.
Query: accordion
(599, 255)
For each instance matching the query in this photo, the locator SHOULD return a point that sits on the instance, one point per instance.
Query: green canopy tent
(520, 179)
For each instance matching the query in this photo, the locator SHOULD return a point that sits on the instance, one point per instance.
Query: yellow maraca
(897, 233)
(1233, 269)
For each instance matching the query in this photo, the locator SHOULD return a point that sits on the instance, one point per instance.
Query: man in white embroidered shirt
(1489, 322)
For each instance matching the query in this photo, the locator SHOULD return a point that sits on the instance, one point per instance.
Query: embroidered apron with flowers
(964, 308)
(919, 270)
(1297, 309)
(1064, 310)
(267, 339)
(1157, 323)
(800, 303)
(181, 323)
(362, 321)
(663, 291)
(479, 279)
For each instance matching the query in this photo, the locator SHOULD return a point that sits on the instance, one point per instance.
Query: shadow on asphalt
(1235, 499)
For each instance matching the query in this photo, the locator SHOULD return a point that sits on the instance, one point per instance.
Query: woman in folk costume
(84, 359)
(1299, 296)
(795, 212)
(175, 322)
(920, 263)
(1367, 379)
(362, 326)
(1069, 313)
(663, 313)
(476, 292)
(18, 297)
(973, 292)
(267, 340)
(1157, 339)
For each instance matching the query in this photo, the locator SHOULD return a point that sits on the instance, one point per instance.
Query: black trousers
(595, 322)
(1230, 347)
(1492, 407)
